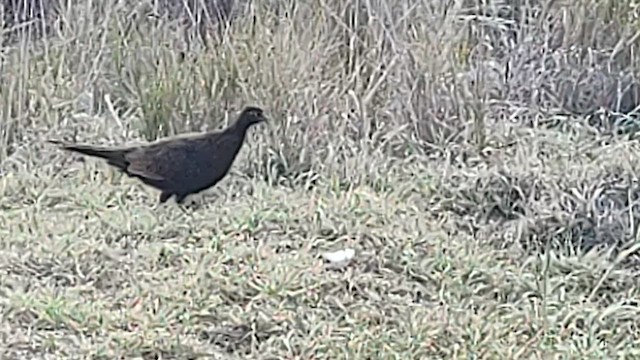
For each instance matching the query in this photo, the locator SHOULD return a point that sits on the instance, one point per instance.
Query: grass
(481, 161)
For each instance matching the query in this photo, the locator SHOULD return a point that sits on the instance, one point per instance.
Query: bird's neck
(240, 127)
(237, 131)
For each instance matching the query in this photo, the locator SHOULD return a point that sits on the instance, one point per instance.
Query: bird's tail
(115, 157)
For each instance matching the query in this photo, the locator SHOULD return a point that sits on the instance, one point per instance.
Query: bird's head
(251, 115)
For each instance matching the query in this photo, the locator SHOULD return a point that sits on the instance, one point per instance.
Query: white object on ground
(339, 256)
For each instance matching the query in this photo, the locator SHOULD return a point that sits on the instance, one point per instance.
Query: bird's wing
(141, 171)
(148, 162)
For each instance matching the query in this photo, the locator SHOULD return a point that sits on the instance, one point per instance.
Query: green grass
(490, 218)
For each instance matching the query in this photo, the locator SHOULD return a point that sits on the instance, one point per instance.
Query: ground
(489, 219)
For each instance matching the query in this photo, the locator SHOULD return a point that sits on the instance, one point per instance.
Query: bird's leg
(186, 209)
(180, 198)
(194, 206)
(164, 196)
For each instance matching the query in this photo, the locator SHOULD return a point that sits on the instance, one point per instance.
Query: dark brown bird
(182, 165)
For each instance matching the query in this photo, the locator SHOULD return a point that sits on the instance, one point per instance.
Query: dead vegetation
(480, 157)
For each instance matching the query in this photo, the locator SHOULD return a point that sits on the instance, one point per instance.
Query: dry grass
(481, 161)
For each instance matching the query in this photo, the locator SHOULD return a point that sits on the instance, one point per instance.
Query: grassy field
(480, 160)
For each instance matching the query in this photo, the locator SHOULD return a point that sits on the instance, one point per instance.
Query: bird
(178, 166)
